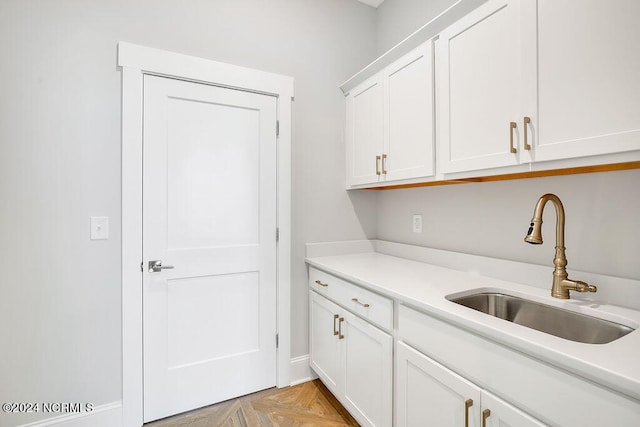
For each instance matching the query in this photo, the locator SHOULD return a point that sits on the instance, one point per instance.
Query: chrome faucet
(561, 282)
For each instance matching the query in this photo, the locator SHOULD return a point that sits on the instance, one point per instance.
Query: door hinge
(142, 266)
(277, 340)
(277, 234)
(277, 127)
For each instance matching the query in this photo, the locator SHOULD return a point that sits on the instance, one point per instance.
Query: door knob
(156, 266)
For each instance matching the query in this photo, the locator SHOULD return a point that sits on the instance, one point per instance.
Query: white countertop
(425, 286)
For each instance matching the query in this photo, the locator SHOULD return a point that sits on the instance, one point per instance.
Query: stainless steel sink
(545, 318)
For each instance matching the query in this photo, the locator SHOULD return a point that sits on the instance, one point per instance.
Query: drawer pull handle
(512, 126)
(335, 331)
(358, 302)
(527, 121)
(467, 404)
(340, 336)
(322, 284)
(485, 414)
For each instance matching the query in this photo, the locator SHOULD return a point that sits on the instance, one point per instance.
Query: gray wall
(397, 19)
(491, 218)
(60, 164)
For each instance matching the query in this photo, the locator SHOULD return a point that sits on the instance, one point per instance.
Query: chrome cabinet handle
(467, 404)
(384, 158)
(156, 266)
(335, 331)
(512, 126)
(377, 165)
(527, 121)
(358, 302)
(322, 284)
(485, 414)
(340, 336)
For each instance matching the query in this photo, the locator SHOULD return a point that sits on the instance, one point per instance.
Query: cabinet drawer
(369, 305)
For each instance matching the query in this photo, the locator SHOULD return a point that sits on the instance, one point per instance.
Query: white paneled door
(209, 211)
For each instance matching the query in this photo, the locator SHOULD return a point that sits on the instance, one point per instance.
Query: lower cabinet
(354, 359)
(352, 332)
(430, 394)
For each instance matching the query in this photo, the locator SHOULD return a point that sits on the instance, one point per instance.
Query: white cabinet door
(364, 132)
(367, 355)
(390, 124)
(354, 359)
(586, 81)
(409, 130)
(479, 91)
(324, 346)
(430, 394)
(499, 413)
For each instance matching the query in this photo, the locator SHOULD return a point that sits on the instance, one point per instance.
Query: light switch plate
(99, 227)
(417, 223)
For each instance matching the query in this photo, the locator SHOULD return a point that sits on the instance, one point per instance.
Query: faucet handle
(567, 285)
(585, 287)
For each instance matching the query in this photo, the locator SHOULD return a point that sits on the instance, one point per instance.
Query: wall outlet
(417, 223)
(99, 227)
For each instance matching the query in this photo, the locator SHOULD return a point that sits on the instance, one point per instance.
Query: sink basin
(545, 318)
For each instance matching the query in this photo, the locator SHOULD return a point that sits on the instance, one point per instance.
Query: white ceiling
(372, 3)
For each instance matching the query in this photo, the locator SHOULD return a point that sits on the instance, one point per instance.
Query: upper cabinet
(389, 126)
(364, 136)
(520, 86)
(583, 92)
(522, 81)
(479, 89)
(408, 115)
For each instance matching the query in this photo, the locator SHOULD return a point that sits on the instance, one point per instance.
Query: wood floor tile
(308, 404)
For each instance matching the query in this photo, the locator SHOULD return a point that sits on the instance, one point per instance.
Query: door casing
(136, 61)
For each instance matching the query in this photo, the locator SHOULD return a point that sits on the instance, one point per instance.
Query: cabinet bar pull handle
(377, 165)
(512, 126)
(527, 121)
(340, 336)
(384, 158)
(322, 284)
(485, 414)
(358, 302)
(335, 317)
(467, 404)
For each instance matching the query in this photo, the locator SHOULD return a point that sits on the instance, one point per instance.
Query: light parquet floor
(304, 405)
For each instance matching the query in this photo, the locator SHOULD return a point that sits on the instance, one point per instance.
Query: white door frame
(136, 61)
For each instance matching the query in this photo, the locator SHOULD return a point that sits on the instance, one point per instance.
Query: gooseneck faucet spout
(561, 282)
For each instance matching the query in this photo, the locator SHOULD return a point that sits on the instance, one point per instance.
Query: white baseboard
(108, 415)
(301, 371)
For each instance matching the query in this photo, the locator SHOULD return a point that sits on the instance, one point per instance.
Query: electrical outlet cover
(417, 223)
(99, 227)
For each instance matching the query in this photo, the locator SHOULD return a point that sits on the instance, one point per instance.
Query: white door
(209, 210)
(479, 66)
(430, 394)
(324, 344)
(502, 414)
(408, 130)
(364, 133)
(584, 77)
(367, 357)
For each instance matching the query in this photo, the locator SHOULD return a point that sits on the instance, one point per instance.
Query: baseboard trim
(110, 414)
(301, 371)
(107, 415)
